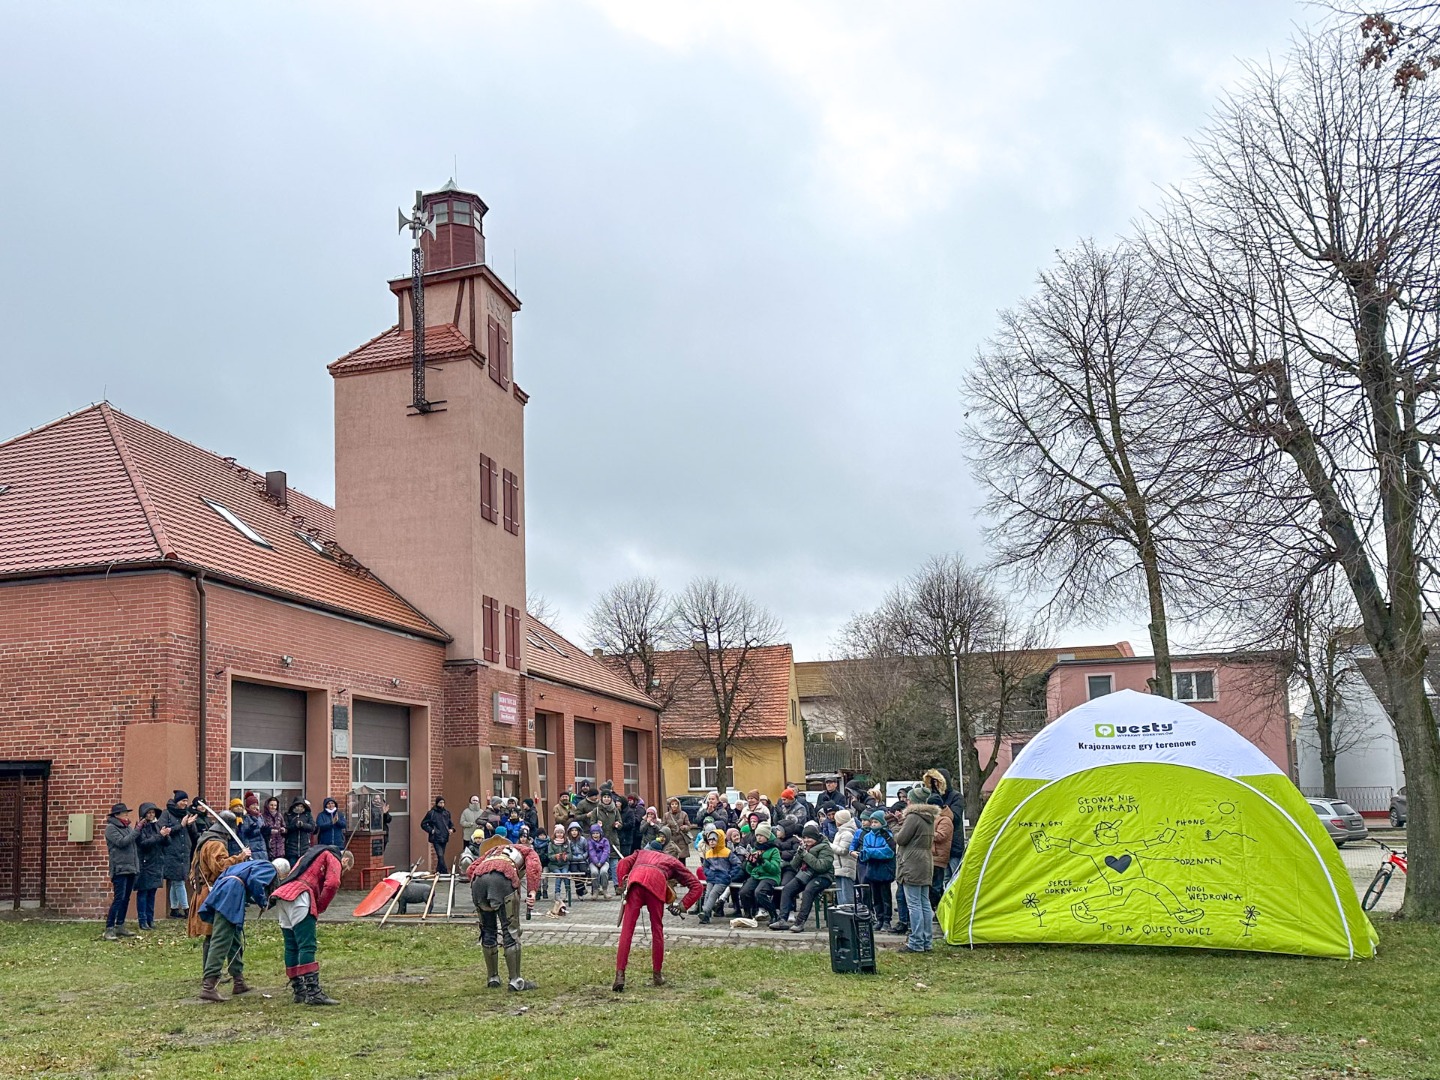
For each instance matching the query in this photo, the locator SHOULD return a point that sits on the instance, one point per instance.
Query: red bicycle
(1382, 876)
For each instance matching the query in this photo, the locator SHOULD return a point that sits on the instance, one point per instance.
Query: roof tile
(562, 661)
(395, 348)
(692, 714)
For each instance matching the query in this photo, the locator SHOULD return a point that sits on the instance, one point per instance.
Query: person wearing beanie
(438, 825)
(649, 826)
(763, 885)
(579, 849)
(678, 822)
(237, 806)
(598, 855)
(722, 866)
(844, 859)
(914, 867)
(791, 807)
(874, 852)
(251, 829)
(814, 866)
(647, 877)
(557, 861)
(121, 839)
(470, 816)
(331, 825)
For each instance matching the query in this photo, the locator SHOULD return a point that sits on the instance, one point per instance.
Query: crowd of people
(758, 860)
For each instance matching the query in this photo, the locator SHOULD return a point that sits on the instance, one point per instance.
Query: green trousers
(226, 946)
(300, 948)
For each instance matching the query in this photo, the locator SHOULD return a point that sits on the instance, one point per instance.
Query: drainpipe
(204, 681)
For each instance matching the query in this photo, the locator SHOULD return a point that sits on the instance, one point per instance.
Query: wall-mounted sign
(340, 717)
(507, 708)
(339, 743)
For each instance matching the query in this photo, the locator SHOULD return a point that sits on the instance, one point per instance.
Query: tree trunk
(1420, 751)
(1327, 759)
(1162, 684)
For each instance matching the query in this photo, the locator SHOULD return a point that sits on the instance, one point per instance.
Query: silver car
(1340, 820)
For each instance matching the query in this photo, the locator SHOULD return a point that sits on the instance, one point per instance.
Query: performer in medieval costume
(304, 895)
(646, 876)
(224, 907)
(214, 854)
(497, 879)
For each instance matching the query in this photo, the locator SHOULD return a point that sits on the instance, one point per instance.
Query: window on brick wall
(489, 476)
(585, 752)
(631, 741)
(490, 630)
(512, 637)
(512, 502)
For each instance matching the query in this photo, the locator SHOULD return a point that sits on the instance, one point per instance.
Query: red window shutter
(509, 501)
(494, 493)
(487, 488)
(492, 349)
(504, 356)
(512, 637)
(490, 630)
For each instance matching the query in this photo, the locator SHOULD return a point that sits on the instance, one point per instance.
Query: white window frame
(240, 787)
(1192, 672)
(708, 769)
(235, 523)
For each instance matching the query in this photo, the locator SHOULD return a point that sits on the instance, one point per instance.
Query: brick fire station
(171, 619)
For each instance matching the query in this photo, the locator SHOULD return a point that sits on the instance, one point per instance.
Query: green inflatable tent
(1136, 820)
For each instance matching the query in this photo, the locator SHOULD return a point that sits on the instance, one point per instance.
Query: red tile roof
(692, 714)
(99, 489)
(562, 661)
(395, 348)
(812, 677)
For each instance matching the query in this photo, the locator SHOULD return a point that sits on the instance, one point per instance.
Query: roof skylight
(235, 523)
(542, 642)
(312, 543)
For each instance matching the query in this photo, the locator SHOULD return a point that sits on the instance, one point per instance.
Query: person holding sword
(213, 858)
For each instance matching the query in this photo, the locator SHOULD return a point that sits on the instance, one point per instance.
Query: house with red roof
(172, 619)
(767, 745)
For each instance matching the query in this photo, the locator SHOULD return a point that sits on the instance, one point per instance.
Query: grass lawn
(414, 1005)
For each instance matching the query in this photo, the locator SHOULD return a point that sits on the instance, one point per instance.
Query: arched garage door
(267, 742)
(381, 762)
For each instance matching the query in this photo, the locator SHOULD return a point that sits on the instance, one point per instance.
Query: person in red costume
(303, 895)
(646, 876)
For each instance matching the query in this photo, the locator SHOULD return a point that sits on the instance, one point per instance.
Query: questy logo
(1110, 731)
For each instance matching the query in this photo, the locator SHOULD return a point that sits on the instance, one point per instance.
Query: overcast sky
(757, 243)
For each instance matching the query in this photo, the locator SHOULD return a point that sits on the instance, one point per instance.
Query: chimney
(599, 654)
(276, 489)
(459, 238)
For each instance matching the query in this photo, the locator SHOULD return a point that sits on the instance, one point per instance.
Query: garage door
(381, 763)
(267, 742)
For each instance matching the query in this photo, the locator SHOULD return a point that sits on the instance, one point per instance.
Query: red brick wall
(81, 658)
(571, 705)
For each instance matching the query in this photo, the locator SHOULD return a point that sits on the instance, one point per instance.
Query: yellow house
(767, 749)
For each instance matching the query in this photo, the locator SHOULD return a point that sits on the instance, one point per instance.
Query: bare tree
(1402, 39)
(1307, 261)
(540, 607)
(1079, 428)
(1322, 623)
(632, 623)
(872, 682)
(724, 627)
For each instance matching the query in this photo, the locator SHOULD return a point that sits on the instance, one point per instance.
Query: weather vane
(420, 221)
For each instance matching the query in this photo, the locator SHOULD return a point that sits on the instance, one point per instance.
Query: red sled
(376, 899)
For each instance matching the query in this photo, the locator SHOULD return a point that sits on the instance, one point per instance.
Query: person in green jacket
(607, 816)
(762, 887)
(814, 866)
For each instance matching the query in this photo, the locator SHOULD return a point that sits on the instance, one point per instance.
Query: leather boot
(313, 994)
(657, 979)
(619, 984)
(512, 967)
(297, 988)
(492, 967)
(240, 987)
(208, 991)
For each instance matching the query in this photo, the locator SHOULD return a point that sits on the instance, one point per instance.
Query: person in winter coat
(790, 806)
(814, 866)
(630, 814)
(252, 826)
(739, 845)
(530, 815)
(832, 797)
(436, 824)
(180, 836)
(678, 822)
(150, 845)
(787, 839)
(212, 858)
(649, 826)
(470, 816)
(557, 861)
(331, 825)
(598, 854)
(607, 816)
(540, 844)
(914, 867)
(646, 876)
(511, 826)
(303, 895)
(120, 840)
(579, 865)
(714, 812)
(494, 814)
(272, 822)
(560, 815)
(844, 858)
(236, 888)
(762, 887)
(585, 808)
(299, 829)
(721, 866)
(940, 782)
(874, 850)
(940, 848)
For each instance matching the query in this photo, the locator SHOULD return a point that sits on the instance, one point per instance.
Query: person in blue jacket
(874, 850)
(234, 890)
(330, 825)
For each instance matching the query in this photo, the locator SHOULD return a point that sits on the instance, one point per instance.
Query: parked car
(1398, 809)
(1340, 820)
